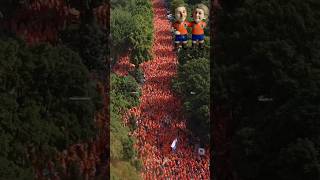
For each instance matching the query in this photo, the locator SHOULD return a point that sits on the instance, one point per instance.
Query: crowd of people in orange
(159, 116)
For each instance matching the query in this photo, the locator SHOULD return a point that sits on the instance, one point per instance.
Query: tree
(121, 30)
(299, 160)
(93, 47)
(90, 42)
(141, 39)
(38, 118)
(193, 83)
(265, 72)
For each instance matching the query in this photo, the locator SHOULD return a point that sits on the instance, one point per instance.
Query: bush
(122, 98)
(142, 39)
(132, 30)
(122, 27)
(126, 88)
(190, 54)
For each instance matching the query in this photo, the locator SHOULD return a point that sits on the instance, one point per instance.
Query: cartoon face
(198, 15)
(180, 14)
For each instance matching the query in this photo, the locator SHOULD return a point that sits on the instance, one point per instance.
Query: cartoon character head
(201, 12)
(180, 13)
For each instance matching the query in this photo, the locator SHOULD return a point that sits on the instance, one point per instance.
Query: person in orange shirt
(180, 26)
(200, 13)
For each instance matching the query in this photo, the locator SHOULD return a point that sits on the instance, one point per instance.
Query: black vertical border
(220, 156)
(212, 32)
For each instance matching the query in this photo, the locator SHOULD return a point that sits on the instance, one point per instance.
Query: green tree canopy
(38, 116)
(193, 83)
(122, 153)
(267, 74)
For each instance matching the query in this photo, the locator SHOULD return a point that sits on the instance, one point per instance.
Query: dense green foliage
(132, 29)
(267, 74)
(38, 118)
(193, 82)
(92, 47)
(90, 42)
(121, 145)
(142, 37)
(47, 99)
(120, 25)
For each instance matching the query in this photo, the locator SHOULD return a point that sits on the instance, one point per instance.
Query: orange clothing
(181, 27)
(197, 28)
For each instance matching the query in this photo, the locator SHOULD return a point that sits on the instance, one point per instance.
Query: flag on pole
(174, 144)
